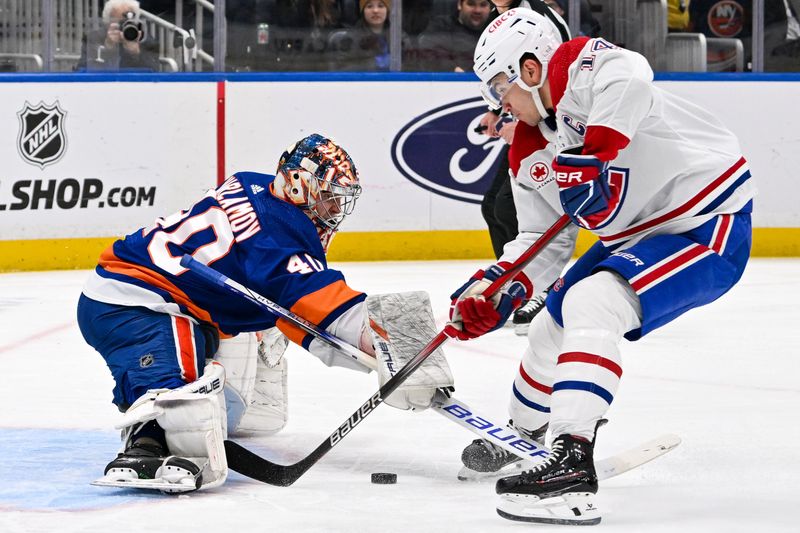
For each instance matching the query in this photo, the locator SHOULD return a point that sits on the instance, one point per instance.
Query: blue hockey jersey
(244, 232)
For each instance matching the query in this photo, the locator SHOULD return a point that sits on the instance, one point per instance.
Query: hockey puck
(384, 478)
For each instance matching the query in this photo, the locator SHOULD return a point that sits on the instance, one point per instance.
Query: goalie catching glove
(471, 315)
(400, 325)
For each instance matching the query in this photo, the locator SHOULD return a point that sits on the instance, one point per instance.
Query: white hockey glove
(401, 325)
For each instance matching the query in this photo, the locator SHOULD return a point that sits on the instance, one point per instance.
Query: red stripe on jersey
(533, 383)
(603, 142)
(316, 307)
(187, 354)
(680, 210)
(665, 269)
(592, 359)
(721, 233)
(527, 139)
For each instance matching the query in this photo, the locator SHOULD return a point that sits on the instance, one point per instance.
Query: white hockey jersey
(681, 168)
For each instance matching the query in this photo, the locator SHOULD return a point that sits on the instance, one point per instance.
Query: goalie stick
(248, 463)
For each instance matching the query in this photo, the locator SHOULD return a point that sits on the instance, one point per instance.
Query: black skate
(484, 459)
(560, 490)
(147, 465)
(523, 316)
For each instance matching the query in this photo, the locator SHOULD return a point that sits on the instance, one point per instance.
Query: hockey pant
(571, 369)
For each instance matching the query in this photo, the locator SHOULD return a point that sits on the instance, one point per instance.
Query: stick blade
(630, 459)
(247, 463)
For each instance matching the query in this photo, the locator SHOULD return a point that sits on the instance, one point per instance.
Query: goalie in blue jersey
(193, 363)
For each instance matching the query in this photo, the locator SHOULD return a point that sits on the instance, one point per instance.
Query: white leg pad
(255, 388)
(267, 411)
(194, 421)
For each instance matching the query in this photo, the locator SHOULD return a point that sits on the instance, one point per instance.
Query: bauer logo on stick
(41, 140)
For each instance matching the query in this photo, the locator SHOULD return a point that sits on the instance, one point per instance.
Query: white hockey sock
(530, 394)
(597, 311)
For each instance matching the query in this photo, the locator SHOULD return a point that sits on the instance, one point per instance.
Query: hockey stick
(448, 406)
(256, 467)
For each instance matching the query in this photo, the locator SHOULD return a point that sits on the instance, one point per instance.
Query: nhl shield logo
(41, 140)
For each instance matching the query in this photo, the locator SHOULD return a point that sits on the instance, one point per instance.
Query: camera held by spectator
(130, 27)
(120, 43)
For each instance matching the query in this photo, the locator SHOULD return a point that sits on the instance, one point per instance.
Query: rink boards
(89, 158)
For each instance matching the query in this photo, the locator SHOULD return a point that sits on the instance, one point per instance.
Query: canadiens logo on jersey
(41, 140)
(440, 151)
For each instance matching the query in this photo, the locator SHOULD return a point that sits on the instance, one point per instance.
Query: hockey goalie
(192, 363)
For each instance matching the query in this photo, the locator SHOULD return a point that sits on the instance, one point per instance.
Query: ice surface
(725, 378)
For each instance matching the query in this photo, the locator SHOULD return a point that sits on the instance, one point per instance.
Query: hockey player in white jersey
(662, 184)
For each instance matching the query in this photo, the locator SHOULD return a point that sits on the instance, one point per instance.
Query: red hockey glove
(472, 316)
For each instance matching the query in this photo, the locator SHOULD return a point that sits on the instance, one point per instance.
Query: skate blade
(468, 474)
(130, 481)
(571, 509)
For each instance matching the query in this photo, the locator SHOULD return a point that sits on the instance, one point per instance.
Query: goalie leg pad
(194, 422)
(401, 324)
(255, 386)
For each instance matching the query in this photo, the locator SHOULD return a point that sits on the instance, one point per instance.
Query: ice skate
(483, 459)
(145, 464)
(560, 490)
(523, 316)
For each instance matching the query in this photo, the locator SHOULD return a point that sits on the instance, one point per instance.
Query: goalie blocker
(400, 325)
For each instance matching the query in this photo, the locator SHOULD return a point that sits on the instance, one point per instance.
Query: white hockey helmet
(501, 47)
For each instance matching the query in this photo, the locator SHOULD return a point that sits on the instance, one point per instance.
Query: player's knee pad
(603, 304)
(401, 324)
(193, 419)
(255, 391)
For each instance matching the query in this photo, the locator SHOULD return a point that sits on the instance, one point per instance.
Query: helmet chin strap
(537, 98)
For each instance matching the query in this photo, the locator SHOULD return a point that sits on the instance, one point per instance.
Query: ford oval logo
(441, 152)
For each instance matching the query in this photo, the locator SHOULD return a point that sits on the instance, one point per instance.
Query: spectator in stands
(120, 44)
(449, 42)
(365, 46)
(678, 15)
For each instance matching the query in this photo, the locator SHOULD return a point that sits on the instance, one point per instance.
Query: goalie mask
(319, 177)
(501, 48)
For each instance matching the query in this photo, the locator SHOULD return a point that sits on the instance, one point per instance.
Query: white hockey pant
(568, 376)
